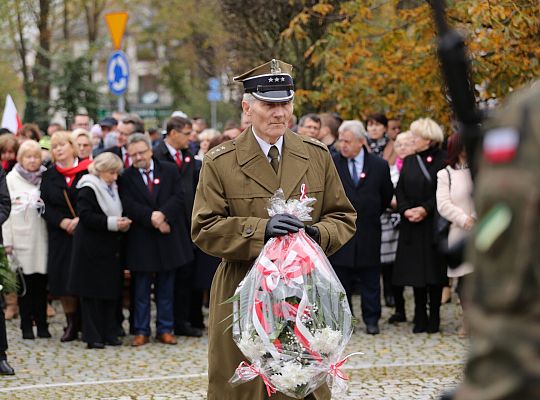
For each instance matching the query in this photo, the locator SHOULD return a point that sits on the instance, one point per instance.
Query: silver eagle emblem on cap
(274, 67)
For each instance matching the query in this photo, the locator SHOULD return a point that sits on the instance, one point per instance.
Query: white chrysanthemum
(291, 374)
(326, 340)
(252, 347)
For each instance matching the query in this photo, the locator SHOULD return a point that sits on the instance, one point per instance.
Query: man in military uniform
(504, 311)
(230, 218)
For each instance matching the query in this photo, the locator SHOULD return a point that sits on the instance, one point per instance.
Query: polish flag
(10, 118)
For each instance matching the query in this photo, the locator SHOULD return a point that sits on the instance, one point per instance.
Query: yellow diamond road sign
(117, 26)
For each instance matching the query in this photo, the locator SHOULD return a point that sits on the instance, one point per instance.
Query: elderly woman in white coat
(455, 203)
(25, 237)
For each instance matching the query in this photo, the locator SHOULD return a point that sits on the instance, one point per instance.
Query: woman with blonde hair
(96, 270)
(418, 263)
(390, 220)
(59, 193)
(25, 237)
(205, 137)
(83, 141)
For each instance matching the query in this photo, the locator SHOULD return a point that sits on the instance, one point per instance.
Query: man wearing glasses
(158, 241)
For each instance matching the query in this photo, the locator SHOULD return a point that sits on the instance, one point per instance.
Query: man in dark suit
(366, 179)
(152, 196)
(175, 149)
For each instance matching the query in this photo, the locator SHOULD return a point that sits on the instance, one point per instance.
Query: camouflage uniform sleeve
(338, 217)
(214, 230)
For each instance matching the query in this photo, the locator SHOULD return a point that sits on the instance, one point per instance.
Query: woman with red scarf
(59, 193)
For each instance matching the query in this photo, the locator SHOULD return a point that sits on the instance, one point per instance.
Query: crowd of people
(99, 217)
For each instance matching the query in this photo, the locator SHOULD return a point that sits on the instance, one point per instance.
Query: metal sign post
(214, 95)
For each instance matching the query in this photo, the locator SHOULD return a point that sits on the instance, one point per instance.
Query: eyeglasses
(138, 154)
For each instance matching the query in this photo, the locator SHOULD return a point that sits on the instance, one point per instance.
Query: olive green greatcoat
(229, 221)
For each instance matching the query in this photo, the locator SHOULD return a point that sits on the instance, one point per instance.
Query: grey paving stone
(396, 365)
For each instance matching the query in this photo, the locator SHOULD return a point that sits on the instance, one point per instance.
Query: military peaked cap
(271, 82)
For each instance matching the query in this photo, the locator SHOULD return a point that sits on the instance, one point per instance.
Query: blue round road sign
(118, 73)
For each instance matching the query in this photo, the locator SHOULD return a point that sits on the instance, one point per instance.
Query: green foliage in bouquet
(8, 278)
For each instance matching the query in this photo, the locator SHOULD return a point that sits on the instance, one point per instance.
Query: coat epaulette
(221, 149)
(314, 142)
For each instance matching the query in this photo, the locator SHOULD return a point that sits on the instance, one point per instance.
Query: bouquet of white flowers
(291, 316)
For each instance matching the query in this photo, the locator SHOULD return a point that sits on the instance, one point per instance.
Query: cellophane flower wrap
(291, 316)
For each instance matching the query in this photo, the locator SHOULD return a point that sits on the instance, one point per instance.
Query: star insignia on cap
(271, 80)
(282, 79)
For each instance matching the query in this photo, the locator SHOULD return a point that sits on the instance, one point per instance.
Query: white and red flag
(10, 118)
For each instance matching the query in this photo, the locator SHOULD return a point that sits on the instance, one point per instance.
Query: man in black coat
(152, 197)
(174, 148)
(366, 179)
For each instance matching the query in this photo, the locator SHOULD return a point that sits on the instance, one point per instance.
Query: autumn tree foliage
(381, 55)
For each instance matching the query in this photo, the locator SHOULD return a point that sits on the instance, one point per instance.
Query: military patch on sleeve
(221, 149)
(315, 142)
(491, 227)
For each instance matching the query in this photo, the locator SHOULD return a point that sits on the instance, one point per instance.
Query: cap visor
(278, 96)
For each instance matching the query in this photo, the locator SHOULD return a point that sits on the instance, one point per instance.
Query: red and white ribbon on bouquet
(289, 271)
(335, 370)
(248, 372)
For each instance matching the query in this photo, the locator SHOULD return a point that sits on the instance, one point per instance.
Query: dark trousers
(370, 289)
(182, 294)
(33, 305)
(99, 322)
(164, 293)
(196, 317)
(3, 333)
(386, 272)
(399, 299)
(421, 296)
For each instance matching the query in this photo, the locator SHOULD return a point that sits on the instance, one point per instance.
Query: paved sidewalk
(396, 365)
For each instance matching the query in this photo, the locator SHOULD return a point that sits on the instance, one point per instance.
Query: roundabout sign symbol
(118, 73)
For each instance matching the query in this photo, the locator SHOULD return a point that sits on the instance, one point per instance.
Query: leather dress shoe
(95, 345)
(397, 317)
(139, 340)
(28, 334)
(167, 338)
(372, 329)
(113, 342)
(187, 330)
(43, 333)
(5, 368)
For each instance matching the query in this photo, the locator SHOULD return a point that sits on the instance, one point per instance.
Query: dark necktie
(126, 160)
(273, 153)
(149, 181)
(178, 159)
(354, 175)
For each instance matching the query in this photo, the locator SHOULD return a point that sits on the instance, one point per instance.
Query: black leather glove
(281, 224)
(314, 233)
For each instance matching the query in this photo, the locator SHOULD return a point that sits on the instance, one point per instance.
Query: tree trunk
(43, 64)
